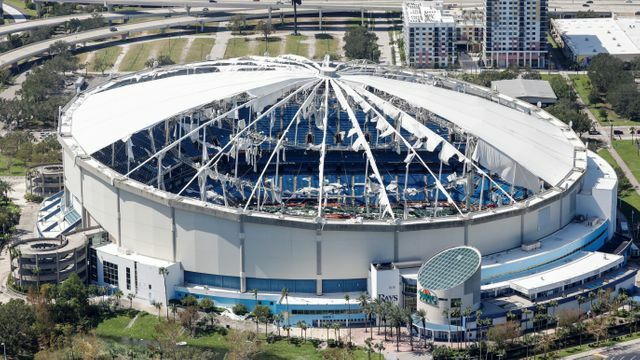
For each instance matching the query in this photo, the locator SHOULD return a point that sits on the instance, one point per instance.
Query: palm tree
(363, 300)
(385, 306)
(118, 294)
(303, 329)
(277, 319)
(163, 271)
(327, 326)
(158, 306)
(255, 296)
(422, 315)
(346, 298)
(174, 310)
(465, 314)
(378, 309)
(130, 296)
(284, 294)
(478, 324)
(592, 296)
(380, 347)
(369, 346)
(336, 327)
(396, 321)
(446, 313)
(368, 311)
(409, 319)
(5, 189)
(36, 272)
(553, 304)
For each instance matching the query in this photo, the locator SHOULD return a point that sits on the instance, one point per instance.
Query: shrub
(33, 198)
(239, 309)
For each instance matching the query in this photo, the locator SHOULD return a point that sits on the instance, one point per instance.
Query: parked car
(618, 132)
(594, 132)
(585, 5)
(213, 1)
(113, 28)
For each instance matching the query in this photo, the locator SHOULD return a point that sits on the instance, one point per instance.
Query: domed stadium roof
(449, 268)
(291, 136)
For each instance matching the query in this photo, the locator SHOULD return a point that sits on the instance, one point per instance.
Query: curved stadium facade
(321, 178)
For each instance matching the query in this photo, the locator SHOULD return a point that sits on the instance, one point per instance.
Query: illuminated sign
(427, 297)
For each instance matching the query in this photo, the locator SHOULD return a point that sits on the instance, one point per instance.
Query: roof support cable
(182, 136)
(277, 149)
(323, 147)
(214, 159)
(457, 153)
(385, 205)
(362, 102)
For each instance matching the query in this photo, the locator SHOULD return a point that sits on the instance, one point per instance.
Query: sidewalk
(607, 138)
(594, 352)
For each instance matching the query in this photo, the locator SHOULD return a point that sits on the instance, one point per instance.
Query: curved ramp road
(15, 14)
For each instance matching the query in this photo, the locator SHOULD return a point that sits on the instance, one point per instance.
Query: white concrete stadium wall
(541, 222)
(72, 175)
(207, 244)
(495, 236)
(101, 201)
(145, 226)
(348, 254)
(422, 245)
(279, 252)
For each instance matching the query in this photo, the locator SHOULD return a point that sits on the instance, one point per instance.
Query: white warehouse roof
(589, 37)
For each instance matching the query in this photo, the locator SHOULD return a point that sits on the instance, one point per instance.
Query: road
(628, 350)
(15, 14)
(616, 6)
(54, 21)
(25, 52)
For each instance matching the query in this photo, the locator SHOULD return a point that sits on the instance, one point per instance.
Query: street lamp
(4, 351)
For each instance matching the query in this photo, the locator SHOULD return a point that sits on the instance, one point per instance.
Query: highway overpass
(616, 6)
(12, 57)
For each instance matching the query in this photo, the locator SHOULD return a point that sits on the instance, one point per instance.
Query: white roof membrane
(535, 144)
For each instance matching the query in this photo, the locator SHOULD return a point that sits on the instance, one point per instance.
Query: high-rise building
(515, 33)
(429, 35)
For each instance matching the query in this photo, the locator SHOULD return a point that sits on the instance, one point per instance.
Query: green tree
(207, 305)
(17, 328)
(101, 64)
(361, 44)
(263, 314)
(265, 28)
(238, 23)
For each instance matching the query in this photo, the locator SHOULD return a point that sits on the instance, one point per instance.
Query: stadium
(328, 179)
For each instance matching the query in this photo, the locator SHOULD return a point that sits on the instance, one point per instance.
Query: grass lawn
(18, 168)
(295, 45)
(629, 153)
(171, 47)
(144, 328)
(237, 47)
(326, 44)
(109, 55)
(136, 57)
(632, 199)
(583, 87)
(200, 49)
(274, 46)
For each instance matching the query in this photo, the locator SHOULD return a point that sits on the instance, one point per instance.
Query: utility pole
(295, 4)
